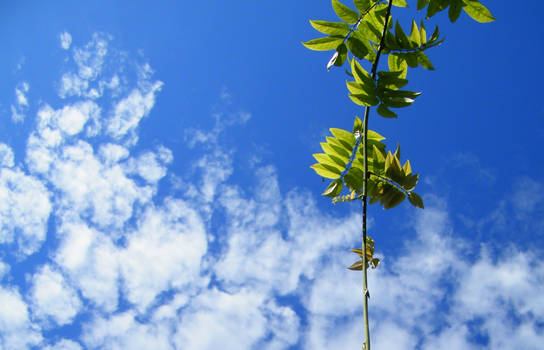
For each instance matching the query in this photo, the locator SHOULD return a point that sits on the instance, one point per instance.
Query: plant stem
(365, 182)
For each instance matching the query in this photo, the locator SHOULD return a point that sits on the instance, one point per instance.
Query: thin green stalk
(365, 189)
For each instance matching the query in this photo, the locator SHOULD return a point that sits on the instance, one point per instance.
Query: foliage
(358, 163)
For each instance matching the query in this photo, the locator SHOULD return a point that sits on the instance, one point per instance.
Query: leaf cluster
(370, 259)
(389, 183)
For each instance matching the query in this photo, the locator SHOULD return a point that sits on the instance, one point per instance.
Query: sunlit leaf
(414, 34)
(477, 11)
(362, 5)
(400, 3)
(325, 171)
(345, 13)
(324, 159)
(331, 28)
(357, 47)
(325, 43)
(424, 61)
(364, 100)
(343, 136)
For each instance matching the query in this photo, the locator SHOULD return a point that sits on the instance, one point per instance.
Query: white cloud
(65, 40)
(20, 107)
(16, 330)
(130, 110)
(52, 298)
(6, 156)
(24, 211)
(165, 253)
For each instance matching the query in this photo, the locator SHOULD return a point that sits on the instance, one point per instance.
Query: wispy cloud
(20, 107)
(65, 40)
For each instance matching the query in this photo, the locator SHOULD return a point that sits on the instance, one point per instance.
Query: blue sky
(155, 189)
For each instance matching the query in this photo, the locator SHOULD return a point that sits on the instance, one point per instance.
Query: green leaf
(355, 88)
(343, 136)
(415, 200)
(401, 93)
(357, 47)
(424, 61)
(364, 100)
(331, 28)
(455, 10)
(397, 63)
(357, 126)
(362, 76)
(411, 58)
(422, 34)
(335, 151)
(362, 5)
(370, 30)
(375, 262)
(414, 34)
(401, 37)
(477, 11)
(400, 3)
(334, 189)
(325, 171)
(341, 144)
(386, 112)
(324, 159)
(394, 199)
(436, 6)
(324, 44)
(397, 102)
(345, 13)
(421, 4)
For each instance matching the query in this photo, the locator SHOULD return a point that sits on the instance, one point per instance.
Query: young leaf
(401, 37)
(357, 126)
(477, 11)
(357, 266)
(331, 28)
(415, 200)
(345, 13)
(414, 34)
(324, 44)
(422, 34)
(362, 76)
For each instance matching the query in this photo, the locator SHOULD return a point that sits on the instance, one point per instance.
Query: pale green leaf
(364, 100)
(400, 3)
(345, 13)
(362, 5)
(331, 28)
(324, 44)
(325, 171)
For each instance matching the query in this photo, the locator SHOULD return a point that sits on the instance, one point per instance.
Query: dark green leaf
(334, 189)
(397, 102)
(415, 200)
(324, 44)
(411, 58)
(345, 13)
(386, 112)
(477, 11)
(401, 37)
(455, 10)
(424, 61)
(421, 4)
(357, 47)
(395, 199)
